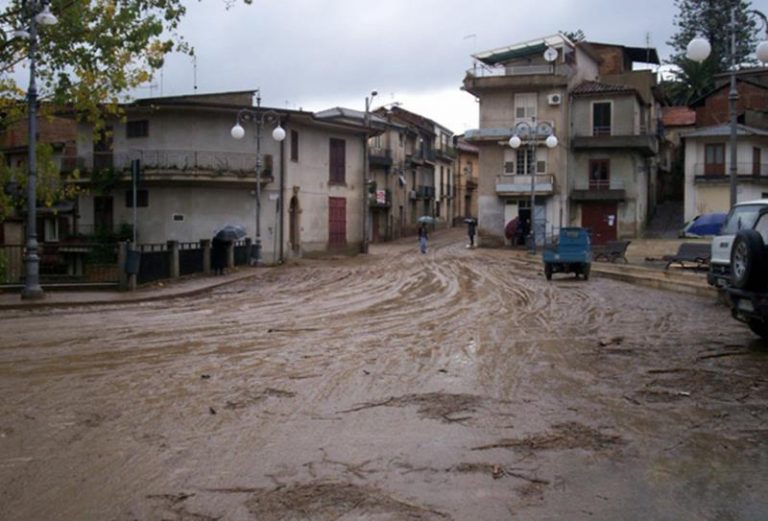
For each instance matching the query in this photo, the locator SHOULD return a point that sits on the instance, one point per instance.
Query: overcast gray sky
(315, 54)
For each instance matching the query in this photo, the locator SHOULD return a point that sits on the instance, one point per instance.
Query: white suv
(741, 217)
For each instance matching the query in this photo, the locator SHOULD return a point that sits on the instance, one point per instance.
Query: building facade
(196, 178)
(602, 172)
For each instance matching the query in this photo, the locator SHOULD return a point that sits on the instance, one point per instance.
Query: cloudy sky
(316, 54)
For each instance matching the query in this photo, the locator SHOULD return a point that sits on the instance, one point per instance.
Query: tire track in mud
(267, 364)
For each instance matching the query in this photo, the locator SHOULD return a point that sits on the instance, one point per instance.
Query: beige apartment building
(601, 175)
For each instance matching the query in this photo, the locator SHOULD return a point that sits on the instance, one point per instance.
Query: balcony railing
(708, 171)
(482, 71)
(380, 156)
(599, 184)
(192, 160)
(521, 184)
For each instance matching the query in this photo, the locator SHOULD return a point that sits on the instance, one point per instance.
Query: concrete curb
(111, 298)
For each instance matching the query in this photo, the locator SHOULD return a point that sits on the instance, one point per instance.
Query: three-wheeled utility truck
(571, 253)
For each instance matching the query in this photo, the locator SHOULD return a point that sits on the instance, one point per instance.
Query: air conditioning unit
(412, 194)
(554, 99)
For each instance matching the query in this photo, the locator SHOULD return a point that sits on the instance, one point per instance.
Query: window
(525, 105)
(51, 230)
(714, 159)
(601, 118)
(294, 146)
(142, 198)
(599, 174)
(134, 129)
(337, 162)
(756, 161)
(525, 161)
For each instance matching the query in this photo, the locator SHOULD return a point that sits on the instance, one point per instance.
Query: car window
(741, 218)
(761, 226)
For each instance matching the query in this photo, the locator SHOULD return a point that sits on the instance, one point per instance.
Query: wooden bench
(697, 254)
(611, 251)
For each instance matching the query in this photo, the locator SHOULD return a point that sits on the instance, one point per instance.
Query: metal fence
(190, 258)
(90, 263)
(155, 263)
(67, 262)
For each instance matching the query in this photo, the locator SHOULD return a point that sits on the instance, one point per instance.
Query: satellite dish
(550, 54)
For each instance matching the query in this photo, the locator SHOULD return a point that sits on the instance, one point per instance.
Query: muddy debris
(434, 406)
(564, 436)
(333, 500)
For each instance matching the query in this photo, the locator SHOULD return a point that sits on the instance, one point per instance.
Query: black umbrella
(230, 232)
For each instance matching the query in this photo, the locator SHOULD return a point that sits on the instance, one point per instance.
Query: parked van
(741, 217)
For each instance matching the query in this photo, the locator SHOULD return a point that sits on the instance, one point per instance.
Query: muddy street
(456, 385)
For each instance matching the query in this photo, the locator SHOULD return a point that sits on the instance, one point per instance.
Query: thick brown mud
(457, 385)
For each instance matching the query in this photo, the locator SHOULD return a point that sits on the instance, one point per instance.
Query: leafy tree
(98, 50)
(575, 36)
(50, 187)
(712, 20)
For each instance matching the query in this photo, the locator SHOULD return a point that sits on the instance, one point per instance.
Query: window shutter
(541, 167)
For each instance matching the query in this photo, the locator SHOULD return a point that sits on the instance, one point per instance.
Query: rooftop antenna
(194, 72)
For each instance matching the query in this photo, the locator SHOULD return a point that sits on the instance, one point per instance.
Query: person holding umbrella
(424, 220)
(471, 229)
(423, 238)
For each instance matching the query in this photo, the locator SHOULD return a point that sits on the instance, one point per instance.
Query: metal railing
(64, 262)
(171, 159)
(599, 184)
(723, 169)
(483, 71)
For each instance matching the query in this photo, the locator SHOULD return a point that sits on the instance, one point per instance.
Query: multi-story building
(196, 178)
(467, 174)
(708, 151)
(601, 175)
(413, 172)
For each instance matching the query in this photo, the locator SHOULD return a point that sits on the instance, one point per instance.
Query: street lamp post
(38, 12)
(259, 117)
(698, 50)
(532, 135)
(366, 171)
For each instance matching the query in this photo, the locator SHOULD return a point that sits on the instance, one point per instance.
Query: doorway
(602, 220)
(294, 237)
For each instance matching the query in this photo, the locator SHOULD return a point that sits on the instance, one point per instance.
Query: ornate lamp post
(698, 50)
(532, 135)
(366, 170)
(37, 12)
(259, 117)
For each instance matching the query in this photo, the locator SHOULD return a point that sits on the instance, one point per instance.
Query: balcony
(472, 182)
(704, 173)
(425, 192)
(606, 138)
(446, 154)
(419, 157)
(541, 76)
(380, 157)
(509, 185)
(598, 190)
(175, 165)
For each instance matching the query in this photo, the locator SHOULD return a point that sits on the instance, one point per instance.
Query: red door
(337, 222)
(602, 220)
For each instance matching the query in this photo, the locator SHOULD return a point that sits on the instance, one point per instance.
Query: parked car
(741, 217)
(704, 225)
(749, 279)
(571, 253)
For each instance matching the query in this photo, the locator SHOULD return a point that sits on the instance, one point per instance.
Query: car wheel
(759, 328)
(548, 271)
(748, 260)
(585, 271)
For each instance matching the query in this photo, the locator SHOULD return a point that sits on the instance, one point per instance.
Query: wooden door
(337, 222)
(602, 220)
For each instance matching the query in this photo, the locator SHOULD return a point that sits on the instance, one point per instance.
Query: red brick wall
(715, 109)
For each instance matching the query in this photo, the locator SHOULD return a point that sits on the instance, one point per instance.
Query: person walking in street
(423, 238)
(471, 228)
